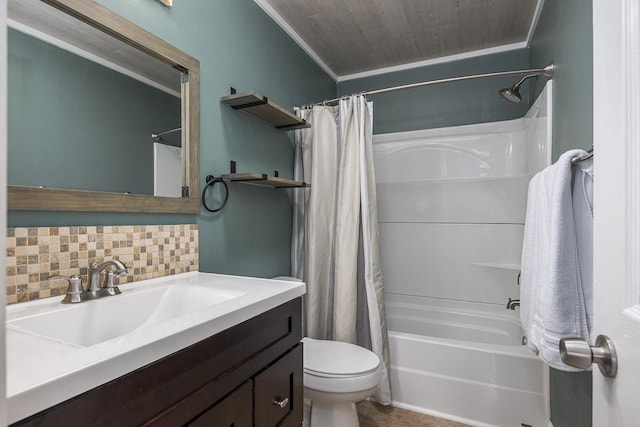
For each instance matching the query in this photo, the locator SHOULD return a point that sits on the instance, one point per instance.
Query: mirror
(103, 115)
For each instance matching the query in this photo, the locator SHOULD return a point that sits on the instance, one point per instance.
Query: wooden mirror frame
(50, 199)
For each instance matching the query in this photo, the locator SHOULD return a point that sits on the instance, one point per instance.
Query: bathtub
(464, 361)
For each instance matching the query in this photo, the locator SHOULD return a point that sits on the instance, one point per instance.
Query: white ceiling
(354, 38)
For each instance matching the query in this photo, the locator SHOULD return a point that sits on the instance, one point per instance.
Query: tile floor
(374, 415)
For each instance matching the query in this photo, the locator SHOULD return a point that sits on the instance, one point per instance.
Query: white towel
(557, 257)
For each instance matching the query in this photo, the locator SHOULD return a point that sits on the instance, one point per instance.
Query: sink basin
(93, 322)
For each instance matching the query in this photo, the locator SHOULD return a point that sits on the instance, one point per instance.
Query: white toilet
(336, 376)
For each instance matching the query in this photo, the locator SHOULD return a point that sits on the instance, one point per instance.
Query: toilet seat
(337, 367)
(337, 359)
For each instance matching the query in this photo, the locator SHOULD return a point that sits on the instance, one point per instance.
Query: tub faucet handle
(513, 303)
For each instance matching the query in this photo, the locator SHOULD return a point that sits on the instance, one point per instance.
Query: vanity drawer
(278, 392)
(230, 411)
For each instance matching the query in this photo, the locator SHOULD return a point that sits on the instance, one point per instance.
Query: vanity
(233, 356)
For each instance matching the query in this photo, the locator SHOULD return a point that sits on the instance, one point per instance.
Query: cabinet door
(232, 411)
(278, 392)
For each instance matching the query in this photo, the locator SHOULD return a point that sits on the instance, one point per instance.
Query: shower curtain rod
(547, 71)
(157, 136)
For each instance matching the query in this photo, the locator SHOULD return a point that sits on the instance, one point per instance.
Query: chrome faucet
(513, 303)
(76, 293)
(95, 271)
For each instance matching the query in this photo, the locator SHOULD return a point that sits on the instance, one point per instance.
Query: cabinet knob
(282, 403)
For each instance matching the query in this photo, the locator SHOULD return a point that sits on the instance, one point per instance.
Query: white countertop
(43, 372)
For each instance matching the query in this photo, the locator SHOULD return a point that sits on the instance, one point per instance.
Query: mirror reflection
(107, 120)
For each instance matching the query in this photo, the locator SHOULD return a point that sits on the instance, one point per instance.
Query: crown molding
(266, 7)
(434, 61)
(534, 21)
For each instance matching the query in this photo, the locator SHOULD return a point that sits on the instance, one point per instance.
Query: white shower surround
(452, 204)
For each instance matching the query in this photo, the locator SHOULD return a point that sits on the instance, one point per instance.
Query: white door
(3, 194)
(616, 40)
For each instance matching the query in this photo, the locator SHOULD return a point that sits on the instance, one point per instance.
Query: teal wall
(565, 35)
(79, 125)
(451, 104)
(571, 398)
(237, 45)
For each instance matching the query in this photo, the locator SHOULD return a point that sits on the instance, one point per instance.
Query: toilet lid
(334, 358)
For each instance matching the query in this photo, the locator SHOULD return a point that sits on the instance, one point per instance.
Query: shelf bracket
(293, 125)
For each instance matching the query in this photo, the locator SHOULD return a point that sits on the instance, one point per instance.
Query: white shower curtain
(335, 245)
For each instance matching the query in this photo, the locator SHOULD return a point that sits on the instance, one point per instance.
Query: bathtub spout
(513, 303)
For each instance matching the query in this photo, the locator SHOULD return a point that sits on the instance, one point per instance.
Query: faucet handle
(112, 276)
(513, 303)
(95, 271)
(111, 281)
(73, 291)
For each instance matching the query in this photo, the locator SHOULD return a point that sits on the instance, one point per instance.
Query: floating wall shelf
(264, 109)
(264, 180)
(261, 179)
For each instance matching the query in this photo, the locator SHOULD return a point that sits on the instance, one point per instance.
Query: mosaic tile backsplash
(149, 251)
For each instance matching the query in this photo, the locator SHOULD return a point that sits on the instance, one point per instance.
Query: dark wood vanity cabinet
(247, 375)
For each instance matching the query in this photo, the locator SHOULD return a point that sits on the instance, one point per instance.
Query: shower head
(512, 94)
